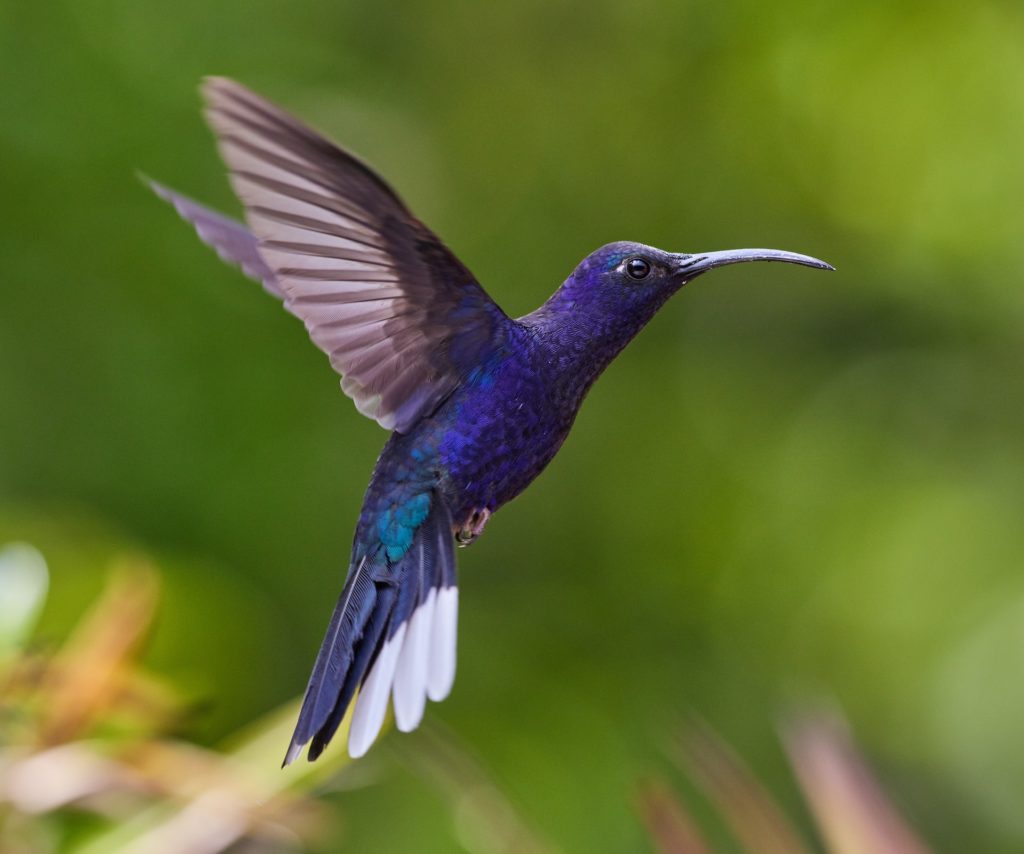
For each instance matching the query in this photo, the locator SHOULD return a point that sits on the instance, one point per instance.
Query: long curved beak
(693, 265)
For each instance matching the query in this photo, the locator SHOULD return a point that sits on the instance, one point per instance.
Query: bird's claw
(472, 528)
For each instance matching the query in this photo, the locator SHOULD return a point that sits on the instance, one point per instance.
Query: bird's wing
(231, 240)
(392, 635)
(402, 320)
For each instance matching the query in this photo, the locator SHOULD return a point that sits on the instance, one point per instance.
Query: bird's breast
(500, 431)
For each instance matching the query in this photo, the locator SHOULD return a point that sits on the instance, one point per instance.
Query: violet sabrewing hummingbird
(477, 403)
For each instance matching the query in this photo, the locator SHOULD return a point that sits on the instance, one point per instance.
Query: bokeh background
(793, 487)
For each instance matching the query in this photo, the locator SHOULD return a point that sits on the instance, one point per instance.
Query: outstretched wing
(402, 320)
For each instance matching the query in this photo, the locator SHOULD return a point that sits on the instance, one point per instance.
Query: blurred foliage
(790, 485)
(86, 760)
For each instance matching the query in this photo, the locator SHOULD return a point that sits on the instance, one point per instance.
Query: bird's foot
(472, 528)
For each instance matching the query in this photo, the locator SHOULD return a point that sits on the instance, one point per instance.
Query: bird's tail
(393, 632)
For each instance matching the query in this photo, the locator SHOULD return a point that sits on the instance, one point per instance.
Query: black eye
(638, 268)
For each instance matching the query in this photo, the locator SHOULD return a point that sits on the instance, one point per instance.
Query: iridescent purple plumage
(479, 403)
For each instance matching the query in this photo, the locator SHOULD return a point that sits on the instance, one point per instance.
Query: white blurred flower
(24, 580)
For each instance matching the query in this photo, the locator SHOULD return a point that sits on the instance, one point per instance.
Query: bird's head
(626, 274)
(614, 292)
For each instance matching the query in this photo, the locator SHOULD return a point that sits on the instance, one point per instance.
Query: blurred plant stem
(849, 807)
(671, 828)
(754, 818)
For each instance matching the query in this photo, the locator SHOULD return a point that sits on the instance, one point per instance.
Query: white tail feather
(441, 669)
(372, 702)
(410, 692)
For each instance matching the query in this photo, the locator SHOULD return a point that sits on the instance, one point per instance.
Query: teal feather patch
(397, 525)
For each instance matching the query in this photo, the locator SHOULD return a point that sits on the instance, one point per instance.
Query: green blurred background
(792, 486)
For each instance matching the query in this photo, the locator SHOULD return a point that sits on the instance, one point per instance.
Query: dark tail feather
(383, 631)
(327, 681)
(366, 650)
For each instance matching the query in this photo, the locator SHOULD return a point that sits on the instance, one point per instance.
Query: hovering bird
(477, 403)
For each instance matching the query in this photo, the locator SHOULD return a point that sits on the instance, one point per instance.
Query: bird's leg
(472, 528)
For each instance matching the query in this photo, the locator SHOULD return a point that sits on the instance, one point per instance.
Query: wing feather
(233, 242)
(399, 317)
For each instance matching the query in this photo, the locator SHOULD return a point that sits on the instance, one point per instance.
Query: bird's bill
(694, 265)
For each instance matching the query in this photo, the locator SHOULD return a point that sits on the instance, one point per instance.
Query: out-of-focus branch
(851, 810)
(671, 827)
(751, 813)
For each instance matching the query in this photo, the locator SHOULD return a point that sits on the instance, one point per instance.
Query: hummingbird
(477, 403)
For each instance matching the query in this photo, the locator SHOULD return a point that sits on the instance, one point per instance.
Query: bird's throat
(579, 336)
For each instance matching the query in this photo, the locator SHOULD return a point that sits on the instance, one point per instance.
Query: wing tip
(222, 95)
(160, 190)
(214, 85)
(177, 201)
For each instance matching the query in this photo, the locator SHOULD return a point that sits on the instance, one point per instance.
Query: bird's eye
(638, 268)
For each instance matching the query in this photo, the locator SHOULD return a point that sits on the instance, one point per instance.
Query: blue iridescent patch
(614, 260)
(397, 526)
